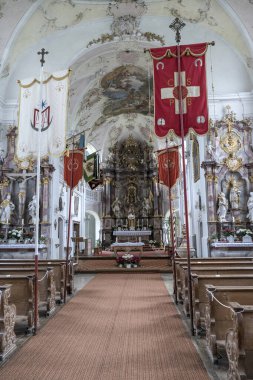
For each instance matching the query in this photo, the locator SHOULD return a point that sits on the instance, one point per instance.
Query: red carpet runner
(119, 327)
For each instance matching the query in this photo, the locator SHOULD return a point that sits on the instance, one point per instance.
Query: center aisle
(118, 327)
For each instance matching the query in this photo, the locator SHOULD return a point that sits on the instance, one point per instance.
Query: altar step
(109, 265)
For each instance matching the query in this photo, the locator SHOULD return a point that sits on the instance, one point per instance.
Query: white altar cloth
(220, 249)
(22, 251)
(127, 246)
(132, 233)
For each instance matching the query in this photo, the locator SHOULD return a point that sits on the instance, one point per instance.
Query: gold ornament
(232, 162)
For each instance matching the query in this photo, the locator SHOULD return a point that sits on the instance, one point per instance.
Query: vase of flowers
(241, 233)
(14, 236)
(127, 260)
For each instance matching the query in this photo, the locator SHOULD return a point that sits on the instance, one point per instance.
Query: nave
(117, 327)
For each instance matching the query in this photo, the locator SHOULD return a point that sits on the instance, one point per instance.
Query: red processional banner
(168, 166)
(73, 167)
(183, 79)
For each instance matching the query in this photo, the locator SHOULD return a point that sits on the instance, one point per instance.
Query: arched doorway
(92, 227)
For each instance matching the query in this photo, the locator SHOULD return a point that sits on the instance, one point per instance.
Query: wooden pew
(46, 284)
(58, 268)
(200, 298)
(180, 263)
(46, 262)
(231, 269)
(7, 322)
(218, 313)
(22, 296)
(239, 342)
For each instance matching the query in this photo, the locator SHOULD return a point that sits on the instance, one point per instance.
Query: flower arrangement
(244, 231)
(136, 260)
(228, 232)
(15, 234)
(127, 257)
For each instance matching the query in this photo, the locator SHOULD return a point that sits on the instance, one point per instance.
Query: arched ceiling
(103, 42)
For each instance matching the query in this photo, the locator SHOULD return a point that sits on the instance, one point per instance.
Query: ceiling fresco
(127, 90)
(103, 41)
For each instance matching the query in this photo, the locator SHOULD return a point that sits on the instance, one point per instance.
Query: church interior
(120, 267)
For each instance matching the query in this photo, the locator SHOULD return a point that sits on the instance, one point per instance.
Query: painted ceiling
(103, 43)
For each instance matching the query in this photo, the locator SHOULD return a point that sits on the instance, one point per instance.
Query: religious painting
(195, 159)
(126, 90)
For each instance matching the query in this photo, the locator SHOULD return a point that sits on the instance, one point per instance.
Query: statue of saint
(32, 209)
(146, 206)
(131, 219)
(116, 207)
(223, 207)
(234, 198)
(6, 209)
(250, 207)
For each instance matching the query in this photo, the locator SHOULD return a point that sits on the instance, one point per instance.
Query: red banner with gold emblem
(73, 167)
(168, 166)
(189, 85)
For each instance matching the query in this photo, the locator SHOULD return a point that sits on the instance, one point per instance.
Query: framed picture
(195, 159)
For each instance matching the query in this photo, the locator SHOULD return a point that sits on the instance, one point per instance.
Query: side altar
(229, 184)
(22, 251)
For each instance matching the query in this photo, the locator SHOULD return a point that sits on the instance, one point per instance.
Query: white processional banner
(43, 107)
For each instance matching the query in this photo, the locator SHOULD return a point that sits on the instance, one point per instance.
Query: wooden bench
(180, 263)
(58, 268)
(209, 270)
(46, 285)
(239, 342)
(7, 323)
(200, 298)
(53, 262)
(218, 313)
(22, 296)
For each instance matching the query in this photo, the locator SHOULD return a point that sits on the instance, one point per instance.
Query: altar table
(127, 246)
(22, 251)
(131, 233)
(220, 249)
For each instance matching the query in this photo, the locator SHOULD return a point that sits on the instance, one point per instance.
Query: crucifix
(43, 52)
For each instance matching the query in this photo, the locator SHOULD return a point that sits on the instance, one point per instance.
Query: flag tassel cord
(172, 229)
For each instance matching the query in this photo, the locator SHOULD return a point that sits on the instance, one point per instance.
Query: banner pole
(69, 223)
(185, 191)
(36, 255)
(171, 228)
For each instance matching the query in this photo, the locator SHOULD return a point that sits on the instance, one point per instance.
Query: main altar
(132, 202)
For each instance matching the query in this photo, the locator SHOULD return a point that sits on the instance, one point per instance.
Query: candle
(22, 222)
(7, 221)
